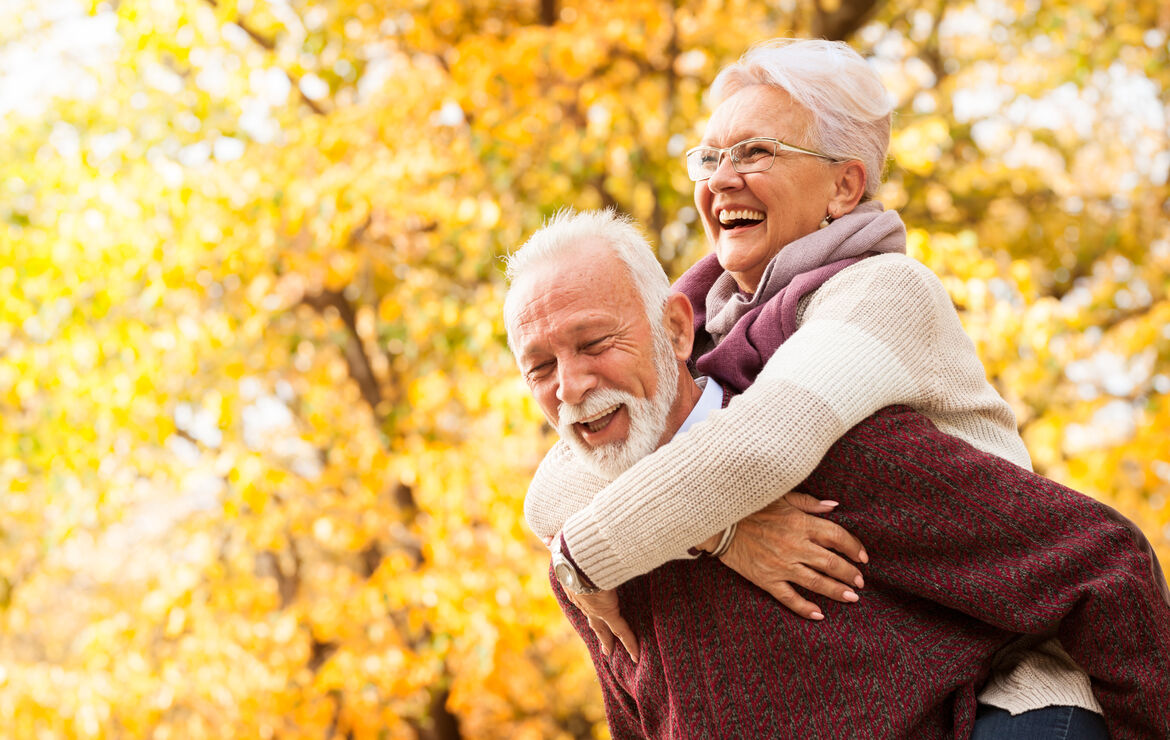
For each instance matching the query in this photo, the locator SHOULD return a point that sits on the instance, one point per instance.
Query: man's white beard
(648, 416)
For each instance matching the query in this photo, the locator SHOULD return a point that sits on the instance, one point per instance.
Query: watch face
(565, 575)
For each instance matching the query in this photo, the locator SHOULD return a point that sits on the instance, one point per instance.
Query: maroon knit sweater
(967, 553)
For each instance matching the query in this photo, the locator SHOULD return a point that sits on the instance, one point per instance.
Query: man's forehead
(588, 257)
(600, 275)
(558, 317)
(569, 315)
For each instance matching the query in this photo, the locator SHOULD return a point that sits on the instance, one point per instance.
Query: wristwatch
(570, 579)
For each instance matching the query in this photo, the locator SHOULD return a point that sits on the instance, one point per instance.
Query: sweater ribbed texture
(880, 332)
(967, 552)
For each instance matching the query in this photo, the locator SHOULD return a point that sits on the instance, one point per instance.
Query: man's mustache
(596, 402)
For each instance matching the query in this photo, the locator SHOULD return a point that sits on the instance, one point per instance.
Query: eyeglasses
(750, 155)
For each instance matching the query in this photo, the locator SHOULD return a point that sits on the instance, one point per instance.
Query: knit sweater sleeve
(881, 332)
(562, 485)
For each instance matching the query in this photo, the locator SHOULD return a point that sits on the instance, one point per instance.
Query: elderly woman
(784, 182)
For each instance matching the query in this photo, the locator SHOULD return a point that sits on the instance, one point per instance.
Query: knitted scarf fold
(732, 329)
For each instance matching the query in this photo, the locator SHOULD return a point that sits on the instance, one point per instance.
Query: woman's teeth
(742, 214)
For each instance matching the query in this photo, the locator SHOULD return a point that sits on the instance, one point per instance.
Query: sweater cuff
(569, 556)
(595, 558)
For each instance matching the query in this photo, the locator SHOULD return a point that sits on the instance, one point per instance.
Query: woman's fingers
(809, 504)
(832, 535)
(819, 583)
(788, 596)
(837, 568)
(783, 546)
(625, 635)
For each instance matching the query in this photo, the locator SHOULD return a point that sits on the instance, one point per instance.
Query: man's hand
(785, 544)
(605, 618)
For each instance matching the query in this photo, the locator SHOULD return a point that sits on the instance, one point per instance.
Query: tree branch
(269, 44)
(287, 583)
(439, 724)
(356, 359)
(607, 199)
(548, 12)
(843, 22)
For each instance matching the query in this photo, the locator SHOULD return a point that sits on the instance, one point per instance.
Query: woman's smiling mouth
(739, 217)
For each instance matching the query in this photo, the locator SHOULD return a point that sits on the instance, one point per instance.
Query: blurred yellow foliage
(263, 447)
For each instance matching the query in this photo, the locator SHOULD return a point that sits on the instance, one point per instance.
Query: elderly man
(965, 561)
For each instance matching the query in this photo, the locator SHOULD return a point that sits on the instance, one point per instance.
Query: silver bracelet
(724, 541)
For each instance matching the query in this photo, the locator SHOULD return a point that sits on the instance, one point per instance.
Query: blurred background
(262, 448)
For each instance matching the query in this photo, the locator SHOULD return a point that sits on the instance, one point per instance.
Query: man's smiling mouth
(599, 421)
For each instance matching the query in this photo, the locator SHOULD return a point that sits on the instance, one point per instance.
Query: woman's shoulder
(894, 265)
(893, 279)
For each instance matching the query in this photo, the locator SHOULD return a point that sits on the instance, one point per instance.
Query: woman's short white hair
(569, 232)
(851, 109)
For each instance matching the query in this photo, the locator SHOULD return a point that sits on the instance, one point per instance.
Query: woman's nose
(724, 177)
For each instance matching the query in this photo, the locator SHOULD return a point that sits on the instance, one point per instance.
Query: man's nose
(574, 381)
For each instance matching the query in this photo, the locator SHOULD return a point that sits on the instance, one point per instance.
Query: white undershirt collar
(711, 400)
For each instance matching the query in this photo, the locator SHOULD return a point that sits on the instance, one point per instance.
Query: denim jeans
(1050, 723)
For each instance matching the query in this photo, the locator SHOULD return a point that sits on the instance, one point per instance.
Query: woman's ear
(678, 318)
(848, 187)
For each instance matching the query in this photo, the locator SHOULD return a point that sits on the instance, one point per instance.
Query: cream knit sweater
(879, 333)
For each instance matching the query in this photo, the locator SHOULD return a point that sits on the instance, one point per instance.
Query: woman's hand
(785, 543)
(605, 619)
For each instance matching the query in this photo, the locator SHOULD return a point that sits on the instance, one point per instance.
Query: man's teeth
(594, 423)
(743, 214)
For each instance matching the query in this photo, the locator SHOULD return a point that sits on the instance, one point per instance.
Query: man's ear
(678, 318)
(848, 187)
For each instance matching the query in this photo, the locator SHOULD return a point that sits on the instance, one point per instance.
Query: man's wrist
(571, 577)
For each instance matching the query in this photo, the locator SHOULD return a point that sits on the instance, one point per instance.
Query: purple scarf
(736, 333)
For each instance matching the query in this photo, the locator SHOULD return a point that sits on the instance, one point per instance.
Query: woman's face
(750, 217)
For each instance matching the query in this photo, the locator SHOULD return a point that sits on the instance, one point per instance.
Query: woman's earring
(828, 219)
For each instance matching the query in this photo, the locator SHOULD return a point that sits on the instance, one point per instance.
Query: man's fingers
(626, 636)
(799, 605)
(833, 535)
(604, 635)
(604, 615)
(606, 631)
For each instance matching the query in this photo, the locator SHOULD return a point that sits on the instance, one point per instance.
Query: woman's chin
(745, 265)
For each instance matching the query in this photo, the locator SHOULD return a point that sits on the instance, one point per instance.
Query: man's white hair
(571, 232)
(851, 109)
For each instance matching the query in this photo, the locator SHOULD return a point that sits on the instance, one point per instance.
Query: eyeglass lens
(746, 156)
